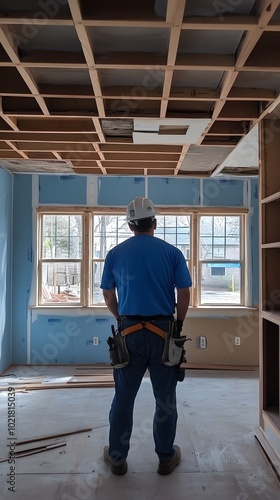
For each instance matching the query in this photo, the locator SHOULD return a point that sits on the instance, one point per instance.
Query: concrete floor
(221, 458)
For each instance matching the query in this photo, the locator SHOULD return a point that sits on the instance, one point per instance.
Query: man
(139, 280)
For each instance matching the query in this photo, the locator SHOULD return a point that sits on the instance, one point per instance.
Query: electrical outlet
(95, 341)
(237, 341)
(202, 342)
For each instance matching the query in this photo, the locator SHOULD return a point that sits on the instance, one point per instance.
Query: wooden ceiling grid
(68, 93)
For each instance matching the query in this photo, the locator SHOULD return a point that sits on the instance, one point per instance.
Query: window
(60, 263)
(176, 231)
(220, 264)
(108, 231)
(218, 271)
(73, 245)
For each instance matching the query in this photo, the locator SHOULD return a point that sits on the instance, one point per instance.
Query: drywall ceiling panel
(123, 39)
(209, 79)
(142, 79)
(246, 153)
(204, 158)
(213, 9)
(152, 131)
(209, 41)
(258, 80)
(53, 8)
(47, 38)
(61, 76)
(30, 166)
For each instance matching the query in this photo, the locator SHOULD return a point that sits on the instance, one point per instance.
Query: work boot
(166, 467)
(119, 470)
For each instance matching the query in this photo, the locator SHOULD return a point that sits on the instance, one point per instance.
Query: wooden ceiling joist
(73, 92)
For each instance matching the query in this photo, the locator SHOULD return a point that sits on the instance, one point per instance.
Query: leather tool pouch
(118, 352)
(173, 352)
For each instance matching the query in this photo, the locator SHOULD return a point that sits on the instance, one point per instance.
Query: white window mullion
(85, 272)
(195, 291)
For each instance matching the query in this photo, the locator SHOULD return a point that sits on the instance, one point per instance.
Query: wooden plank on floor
(33, 451)
(96, 366)
(80, 385)
(52, 436)
(91, 379)
(191, 366)
(39, 449)
(75, 385)
(92, 372)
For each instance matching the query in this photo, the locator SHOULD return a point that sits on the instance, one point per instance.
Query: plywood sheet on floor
(217, 414)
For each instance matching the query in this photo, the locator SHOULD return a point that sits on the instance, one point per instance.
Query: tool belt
(118, 352)
(144, 324)
(173, 352)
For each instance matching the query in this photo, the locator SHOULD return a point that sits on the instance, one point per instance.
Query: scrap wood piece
(56, 380)
(95, 367)
(93, 374)
(90, 374)
(192, 366)
(39, 449)
(20, 380)
(52, 436)
(75, 385)
(33, 451)
(91, 378)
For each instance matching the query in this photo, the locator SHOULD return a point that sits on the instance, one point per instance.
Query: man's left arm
(183, 300)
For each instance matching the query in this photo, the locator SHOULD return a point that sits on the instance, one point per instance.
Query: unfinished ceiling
(143, 87)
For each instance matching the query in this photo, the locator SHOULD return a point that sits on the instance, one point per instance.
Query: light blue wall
(5, 267)
(63, 189)
(119, 190)
(23, 258)
(168, 191)
(58, 338)
(52, 336)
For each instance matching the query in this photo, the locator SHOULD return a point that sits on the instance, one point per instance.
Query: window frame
(242, 260)
(94, 260)
(40, 260)
(194, 261)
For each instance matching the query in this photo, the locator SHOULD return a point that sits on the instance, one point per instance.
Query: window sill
(221, 312)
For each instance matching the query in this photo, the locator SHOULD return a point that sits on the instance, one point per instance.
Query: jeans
(145, 349)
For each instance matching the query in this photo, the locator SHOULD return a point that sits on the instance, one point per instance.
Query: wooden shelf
(272, 198)
(271, 245)
(269, 292)
(273, 415)
(269, 450)
(273, 316)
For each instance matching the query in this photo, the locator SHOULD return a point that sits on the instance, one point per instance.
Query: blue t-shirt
(145, 270)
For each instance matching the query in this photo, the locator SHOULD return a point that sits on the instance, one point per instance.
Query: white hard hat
(140, 208)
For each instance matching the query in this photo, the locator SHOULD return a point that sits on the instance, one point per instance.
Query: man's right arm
(111, 302)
